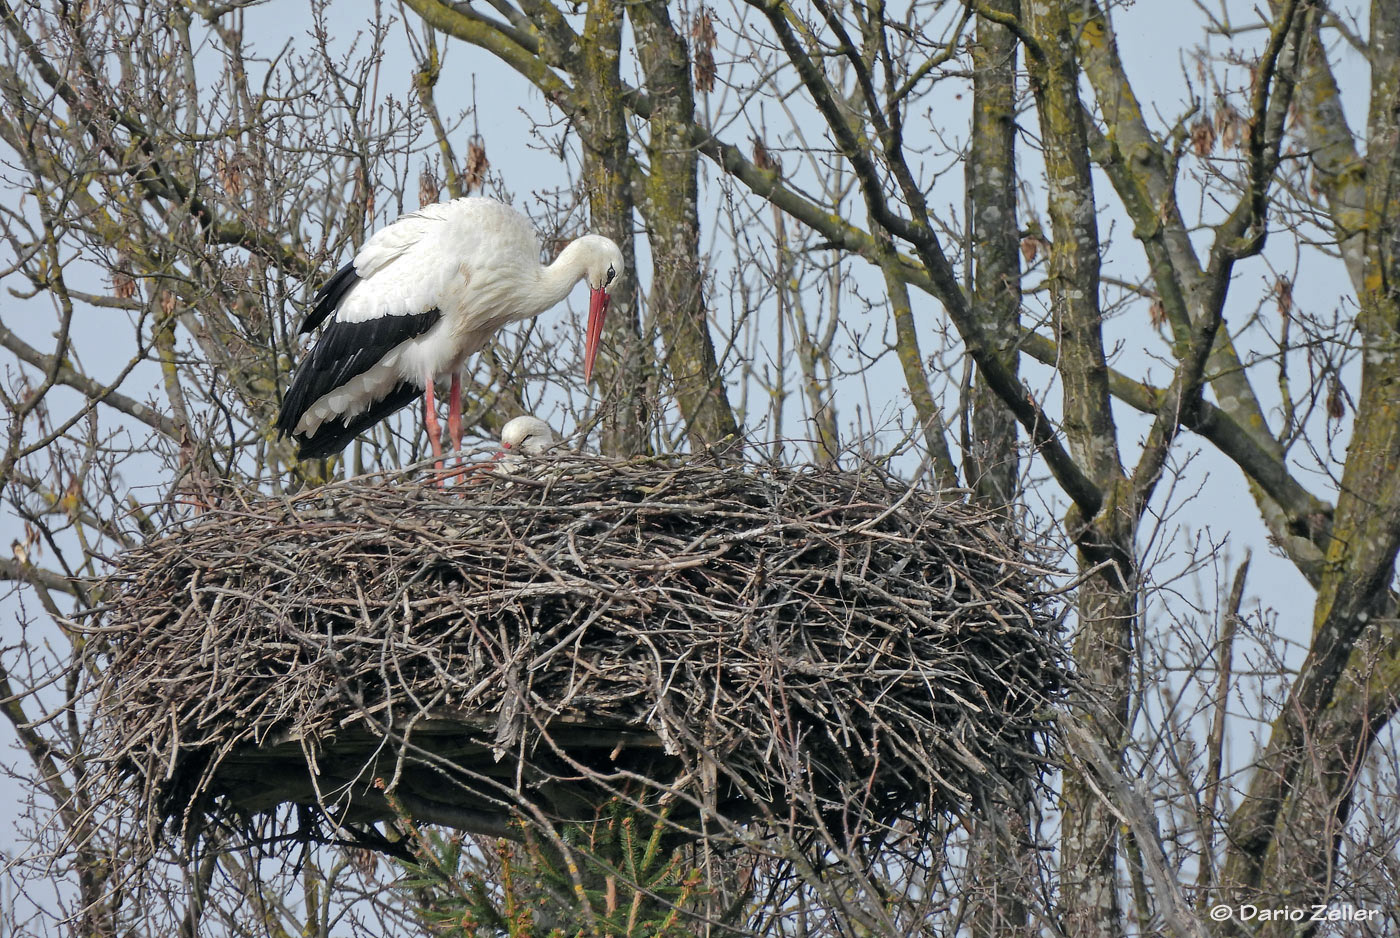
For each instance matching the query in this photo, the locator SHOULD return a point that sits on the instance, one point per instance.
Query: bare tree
(895, 234)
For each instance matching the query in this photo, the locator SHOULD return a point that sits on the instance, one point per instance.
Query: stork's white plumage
(421, 296)
(528, 435)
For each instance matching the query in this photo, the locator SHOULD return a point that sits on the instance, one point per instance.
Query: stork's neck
(558, 279)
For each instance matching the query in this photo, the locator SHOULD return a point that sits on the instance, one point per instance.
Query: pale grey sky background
(1156, 39)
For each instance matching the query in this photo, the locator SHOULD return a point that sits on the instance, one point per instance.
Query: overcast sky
(1155, 38)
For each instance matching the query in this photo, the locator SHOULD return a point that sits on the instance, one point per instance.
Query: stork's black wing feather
(332, 436)
(345, 351)
(329, 296)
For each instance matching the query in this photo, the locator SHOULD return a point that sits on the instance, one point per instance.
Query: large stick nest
(748, 643)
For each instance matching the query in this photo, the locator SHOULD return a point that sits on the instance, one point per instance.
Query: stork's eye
(611, 274)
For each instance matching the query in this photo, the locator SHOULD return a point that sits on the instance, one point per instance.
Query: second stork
(420, 297)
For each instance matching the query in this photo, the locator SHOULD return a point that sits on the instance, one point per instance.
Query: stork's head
(528, 435)
(602, 268)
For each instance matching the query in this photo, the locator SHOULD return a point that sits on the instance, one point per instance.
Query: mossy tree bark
(989, 445)
(1106, 604)
(624, 377)
(1285, 834)
(993, 465)
(671, 211)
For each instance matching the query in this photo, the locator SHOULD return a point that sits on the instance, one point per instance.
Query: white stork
(420, 297)
(522, 439)
(527, 435)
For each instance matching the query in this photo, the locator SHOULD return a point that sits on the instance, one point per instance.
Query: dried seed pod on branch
(477, 164)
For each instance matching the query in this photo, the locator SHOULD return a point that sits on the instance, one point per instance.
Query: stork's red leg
(434, 428)
(454, 413)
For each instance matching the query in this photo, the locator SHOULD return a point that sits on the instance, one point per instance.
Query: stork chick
(527, 436)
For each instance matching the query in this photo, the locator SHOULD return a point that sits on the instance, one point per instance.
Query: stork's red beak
(597, 312)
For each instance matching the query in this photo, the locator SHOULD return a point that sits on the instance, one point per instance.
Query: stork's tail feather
(333, 436)
(345, 351)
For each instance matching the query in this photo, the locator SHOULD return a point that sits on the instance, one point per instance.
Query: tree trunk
(623, 379)
(673, 228)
